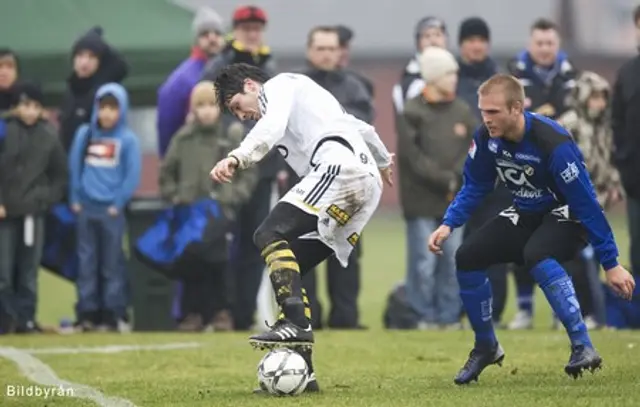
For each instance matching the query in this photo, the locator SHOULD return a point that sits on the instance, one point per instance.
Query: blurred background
(378, 42)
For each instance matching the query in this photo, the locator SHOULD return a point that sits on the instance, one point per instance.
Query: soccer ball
(283, 372)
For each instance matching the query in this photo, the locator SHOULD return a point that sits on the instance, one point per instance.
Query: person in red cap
(246, 45)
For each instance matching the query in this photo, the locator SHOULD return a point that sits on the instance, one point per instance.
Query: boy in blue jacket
(105, 165)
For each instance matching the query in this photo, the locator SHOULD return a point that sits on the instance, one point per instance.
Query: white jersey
(296, 115)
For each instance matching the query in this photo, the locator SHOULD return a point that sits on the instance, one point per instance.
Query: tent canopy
(154, 36)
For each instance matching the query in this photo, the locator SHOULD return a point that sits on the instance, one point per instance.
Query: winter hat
(474, 27)
(207, 20)
(24, 91)
(249, 14)
(91, 41)
(429, 22)
(203, 92)
(435, 63)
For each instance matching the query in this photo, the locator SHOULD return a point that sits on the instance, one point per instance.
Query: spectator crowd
(86, 161)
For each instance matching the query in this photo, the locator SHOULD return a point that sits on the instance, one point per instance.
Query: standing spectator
(626, 122)
(105, 167)
(589, 122)
(173, 95)
(548, 77)
(94, 64)
(429, 32)
(8, 76)
(544, 70)
(434, 134)
(33, 176)
(247, 45)
(185, 179)
(323, 56)
(346, 36)
(476, 67)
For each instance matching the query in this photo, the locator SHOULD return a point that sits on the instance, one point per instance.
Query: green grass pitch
(368, 368)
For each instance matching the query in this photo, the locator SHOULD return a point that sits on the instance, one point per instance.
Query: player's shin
(558, 288)
(475, 292)
(284, 273)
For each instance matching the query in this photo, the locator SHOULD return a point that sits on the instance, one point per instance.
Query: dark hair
(108, 100)
(544, 24)
(230, 81)
(322, 29)
(636, 15)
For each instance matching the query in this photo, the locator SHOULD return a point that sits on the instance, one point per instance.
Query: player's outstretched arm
(568, 169)
(384, 159)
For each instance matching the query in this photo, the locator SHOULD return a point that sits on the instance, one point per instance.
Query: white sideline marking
(111, 348)
(39, 372)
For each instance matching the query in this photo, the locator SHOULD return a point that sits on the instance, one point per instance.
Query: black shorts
(522, 238)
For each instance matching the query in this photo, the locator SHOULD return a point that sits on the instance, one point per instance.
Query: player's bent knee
(465, 258)
(534, 256)
(264, 236)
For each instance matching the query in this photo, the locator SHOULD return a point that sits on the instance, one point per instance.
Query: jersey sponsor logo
(493, 146)
(517, 176)
(103, 153)
(570, 173)
(527, 157)
(338, 214)
(353, 239)
(472, 149)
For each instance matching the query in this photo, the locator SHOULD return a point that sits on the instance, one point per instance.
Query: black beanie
(23, 91)
(91, 41)
(474, 27)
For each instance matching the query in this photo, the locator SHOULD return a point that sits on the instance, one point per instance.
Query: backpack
(183, 238)
(398, 313)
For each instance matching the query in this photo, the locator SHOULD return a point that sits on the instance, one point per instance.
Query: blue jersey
(544, 171)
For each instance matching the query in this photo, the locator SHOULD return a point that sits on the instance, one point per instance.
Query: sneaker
(191, 323)
(522, 320)
(591, 323)
(478, 360)
(222, 322)
(283, 333)
(582, 358)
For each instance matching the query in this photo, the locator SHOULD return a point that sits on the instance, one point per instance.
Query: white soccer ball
(283, 372)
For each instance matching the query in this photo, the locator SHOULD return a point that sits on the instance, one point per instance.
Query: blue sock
(558, 288)
(475, 292)
(525, 297)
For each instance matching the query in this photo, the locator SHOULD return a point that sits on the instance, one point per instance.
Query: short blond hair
(509, 85)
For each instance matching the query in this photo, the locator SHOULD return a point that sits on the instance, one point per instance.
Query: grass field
(368, 368)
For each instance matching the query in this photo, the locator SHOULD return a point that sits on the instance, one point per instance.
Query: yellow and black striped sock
(284, 273)
(307, 304)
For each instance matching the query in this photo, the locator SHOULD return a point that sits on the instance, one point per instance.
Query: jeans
(19, 264)
(432, 287)
(633, 214)
(101, 283)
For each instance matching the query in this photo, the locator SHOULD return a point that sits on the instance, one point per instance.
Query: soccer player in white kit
(342, 163)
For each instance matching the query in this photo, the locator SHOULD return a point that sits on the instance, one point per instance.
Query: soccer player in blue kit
(555, 213)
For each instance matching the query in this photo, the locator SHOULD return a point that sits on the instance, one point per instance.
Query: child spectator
(33, 176)
(105, 166)
(184, 179)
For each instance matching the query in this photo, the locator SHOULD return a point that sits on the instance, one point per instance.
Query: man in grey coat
(323, 55)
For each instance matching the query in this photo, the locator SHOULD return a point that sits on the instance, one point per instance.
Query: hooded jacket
(105, 165)
(593, 133)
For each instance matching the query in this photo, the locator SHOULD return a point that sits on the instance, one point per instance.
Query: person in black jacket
(345, 34)
(246, 44)
(94, 64)
(323, 56)
(626, 122)
(33, 177)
